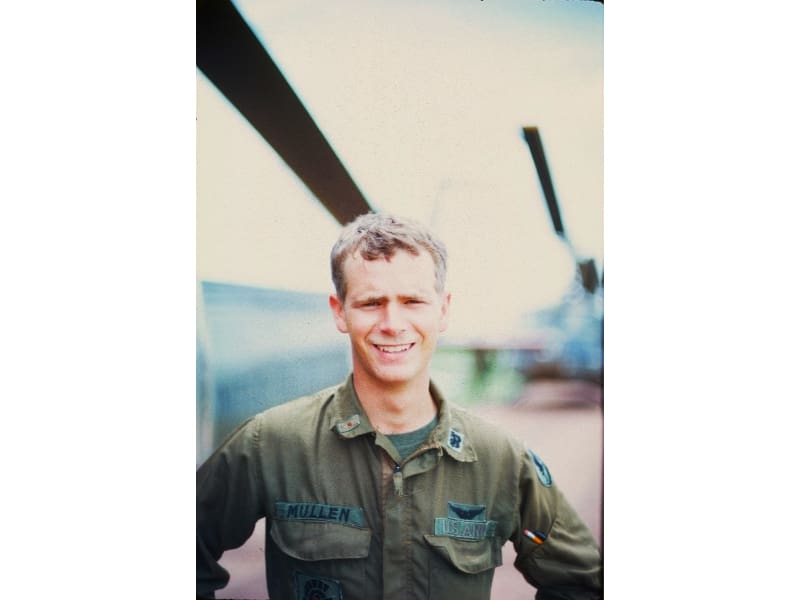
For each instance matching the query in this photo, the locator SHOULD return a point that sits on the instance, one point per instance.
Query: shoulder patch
(541, 470)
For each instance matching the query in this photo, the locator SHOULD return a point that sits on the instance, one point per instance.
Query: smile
(394, 349)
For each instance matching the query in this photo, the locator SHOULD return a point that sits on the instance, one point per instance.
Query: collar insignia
(455, 440)
(348, 424)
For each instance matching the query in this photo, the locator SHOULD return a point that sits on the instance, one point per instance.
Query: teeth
(393, 349)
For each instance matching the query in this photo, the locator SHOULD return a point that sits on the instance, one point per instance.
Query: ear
(445, 315)
(338, 313)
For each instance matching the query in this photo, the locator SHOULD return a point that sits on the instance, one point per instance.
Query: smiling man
(379, 488)
(393, 306)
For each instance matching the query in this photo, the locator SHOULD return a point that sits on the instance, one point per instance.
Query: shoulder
(298, 413)
(486, 437)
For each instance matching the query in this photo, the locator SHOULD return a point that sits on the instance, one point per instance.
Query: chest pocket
(330, 553)
(462, 568)
(309, 541)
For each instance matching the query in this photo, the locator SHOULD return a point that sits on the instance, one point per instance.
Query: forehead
(402, 272)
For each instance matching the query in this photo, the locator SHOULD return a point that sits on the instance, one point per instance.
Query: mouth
(393, 348)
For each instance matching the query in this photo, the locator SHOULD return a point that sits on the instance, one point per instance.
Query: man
(379, 488)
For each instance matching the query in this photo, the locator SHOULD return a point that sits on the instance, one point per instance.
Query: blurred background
(483, 120)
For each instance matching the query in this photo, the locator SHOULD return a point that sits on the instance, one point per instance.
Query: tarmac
(561, 421)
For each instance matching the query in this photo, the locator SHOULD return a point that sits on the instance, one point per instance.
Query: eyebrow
(367, 299)
(383, 298)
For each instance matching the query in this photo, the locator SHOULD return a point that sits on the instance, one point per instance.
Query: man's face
(393, 315)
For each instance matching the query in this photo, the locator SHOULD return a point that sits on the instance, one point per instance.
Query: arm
(566, 565)
(229, 502)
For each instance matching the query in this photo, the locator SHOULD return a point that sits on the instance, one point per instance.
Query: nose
(391, 322)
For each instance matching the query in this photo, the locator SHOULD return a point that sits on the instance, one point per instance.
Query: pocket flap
(306, 540)
(468, 556)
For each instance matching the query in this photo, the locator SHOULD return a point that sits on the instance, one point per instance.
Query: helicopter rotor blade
(534, 141)
(586, 269)
(232, 58)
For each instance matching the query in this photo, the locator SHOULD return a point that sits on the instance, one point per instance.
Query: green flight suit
(345, 521)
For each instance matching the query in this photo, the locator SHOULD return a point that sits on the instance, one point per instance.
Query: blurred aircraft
(573, 327)
(242, 349)
(564, 340)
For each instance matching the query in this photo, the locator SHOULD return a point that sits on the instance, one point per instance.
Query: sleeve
(230, 496)
(558, 555)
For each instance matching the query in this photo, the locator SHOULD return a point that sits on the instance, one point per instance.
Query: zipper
(397, 478)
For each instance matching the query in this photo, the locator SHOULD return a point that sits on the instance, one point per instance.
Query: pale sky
(424, 105)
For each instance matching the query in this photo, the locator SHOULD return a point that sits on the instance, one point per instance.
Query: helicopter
(574, 326)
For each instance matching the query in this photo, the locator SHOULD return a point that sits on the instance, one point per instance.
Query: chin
(394, 376)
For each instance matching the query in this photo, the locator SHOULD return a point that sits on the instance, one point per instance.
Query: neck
(396, 410)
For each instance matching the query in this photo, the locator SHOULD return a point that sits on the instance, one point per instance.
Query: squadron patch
(312, 587)
(541, 470)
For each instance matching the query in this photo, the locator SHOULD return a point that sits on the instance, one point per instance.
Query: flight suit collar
(349, 420)
(450, 433)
